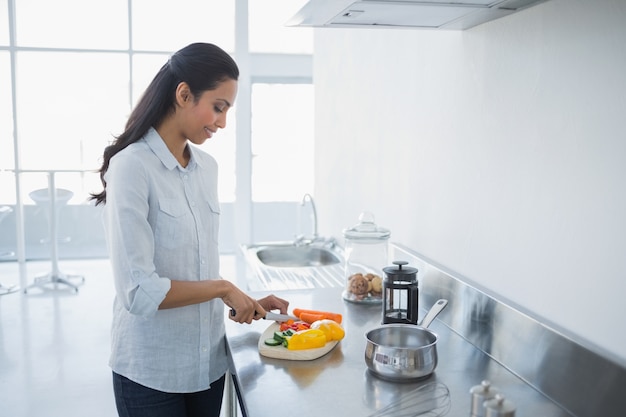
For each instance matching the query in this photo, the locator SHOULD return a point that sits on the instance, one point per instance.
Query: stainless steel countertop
(339, 383)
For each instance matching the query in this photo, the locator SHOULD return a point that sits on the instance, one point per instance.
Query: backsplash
(581, 381)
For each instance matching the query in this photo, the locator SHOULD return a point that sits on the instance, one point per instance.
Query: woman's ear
(183, 94)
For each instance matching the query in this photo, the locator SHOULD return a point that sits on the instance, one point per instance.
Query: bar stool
(42, 197)
(4, 212)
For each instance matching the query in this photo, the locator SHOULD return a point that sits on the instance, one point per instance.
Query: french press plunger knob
(400, 292)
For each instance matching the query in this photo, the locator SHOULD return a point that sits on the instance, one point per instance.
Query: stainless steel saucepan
(404, 352)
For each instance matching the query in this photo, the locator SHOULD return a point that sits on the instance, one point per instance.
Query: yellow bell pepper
(331, 329)
(307, 339)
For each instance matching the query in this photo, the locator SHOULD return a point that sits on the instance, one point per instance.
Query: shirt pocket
(170, 225)
(214, 219)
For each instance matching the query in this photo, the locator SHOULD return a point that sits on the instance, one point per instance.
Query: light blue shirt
(161, 223)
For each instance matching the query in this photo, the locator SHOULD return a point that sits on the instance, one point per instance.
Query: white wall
(499, 152)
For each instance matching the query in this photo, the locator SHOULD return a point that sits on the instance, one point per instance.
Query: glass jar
(366, 247)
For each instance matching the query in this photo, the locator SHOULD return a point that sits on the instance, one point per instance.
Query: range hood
(426, 14)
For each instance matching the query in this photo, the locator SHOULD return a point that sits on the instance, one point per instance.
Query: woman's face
(203, 118)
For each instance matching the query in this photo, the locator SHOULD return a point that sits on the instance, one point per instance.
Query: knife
(279, 317)
(272, 316)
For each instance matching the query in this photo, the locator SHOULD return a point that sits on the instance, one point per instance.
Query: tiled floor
(54, 345)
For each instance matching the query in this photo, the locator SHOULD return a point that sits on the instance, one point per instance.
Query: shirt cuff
(148, 295)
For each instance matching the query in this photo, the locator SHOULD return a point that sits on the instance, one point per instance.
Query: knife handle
(233, 312)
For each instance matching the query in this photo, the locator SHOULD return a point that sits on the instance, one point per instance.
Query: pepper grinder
(400, 294)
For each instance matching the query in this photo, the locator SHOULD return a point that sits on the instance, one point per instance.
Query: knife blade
(279, 317)
(272, 316)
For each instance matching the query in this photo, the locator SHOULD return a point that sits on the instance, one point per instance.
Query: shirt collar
(158, 146)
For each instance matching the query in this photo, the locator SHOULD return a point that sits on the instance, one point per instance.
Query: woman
(161, 217)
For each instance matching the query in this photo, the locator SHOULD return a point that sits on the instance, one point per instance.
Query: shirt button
(203, 262)
(204, 349)
(185, 176)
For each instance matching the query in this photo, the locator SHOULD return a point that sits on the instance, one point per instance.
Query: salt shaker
(480, 394)
(499, 406)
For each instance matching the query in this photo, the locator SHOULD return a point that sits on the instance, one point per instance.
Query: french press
(400, 292)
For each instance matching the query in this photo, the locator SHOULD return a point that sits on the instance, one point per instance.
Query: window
(68, 113)
(72, 24)
(282, 141)
(7, 183)
(170, 25)
(79, 74)
(4, 23)
(223, 147)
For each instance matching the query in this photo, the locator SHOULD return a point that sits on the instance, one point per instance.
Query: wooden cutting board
(281, 352)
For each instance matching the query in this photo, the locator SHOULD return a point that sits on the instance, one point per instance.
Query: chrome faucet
(308, 197)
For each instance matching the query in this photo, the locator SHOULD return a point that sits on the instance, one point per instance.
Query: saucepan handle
(433, 312)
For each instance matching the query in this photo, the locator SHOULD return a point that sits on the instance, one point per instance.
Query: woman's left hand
(271, 302)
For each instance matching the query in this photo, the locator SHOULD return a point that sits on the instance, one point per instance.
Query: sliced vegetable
(296, 326)
(282, 336)
(307, 339)
(303, 326)
(331, 329)
(284, 326)
(273, 342)
(310, 317)
(325, 314)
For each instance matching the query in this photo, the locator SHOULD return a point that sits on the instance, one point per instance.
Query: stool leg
(53, 280)
(55, 276)
(4, 290)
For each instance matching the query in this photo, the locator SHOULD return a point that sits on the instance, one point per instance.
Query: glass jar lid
(366, 228)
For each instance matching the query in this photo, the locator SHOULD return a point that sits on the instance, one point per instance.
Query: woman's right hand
(245, 307)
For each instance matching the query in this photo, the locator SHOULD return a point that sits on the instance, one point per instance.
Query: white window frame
(254, 67)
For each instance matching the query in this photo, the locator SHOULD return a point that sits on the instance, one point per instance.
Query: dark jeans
(135, 400)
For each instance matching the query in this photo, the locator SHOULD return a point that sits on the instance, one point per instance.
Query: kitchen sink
(296, 256)
(283, 265)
